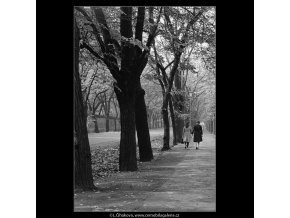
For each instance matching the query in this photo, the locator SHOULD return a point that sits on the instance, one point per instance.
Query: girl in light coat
(187, 130)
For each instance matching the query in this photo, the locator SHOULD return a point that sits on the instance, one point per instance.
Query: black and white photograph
(127, 100)
(144, 109)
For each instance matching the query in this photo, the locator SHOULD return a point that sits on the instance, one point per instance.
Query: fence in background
(114, 124)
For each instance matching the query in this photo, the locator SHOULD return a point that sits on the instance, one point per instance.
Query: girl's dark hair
(187, 124)
(198, 122)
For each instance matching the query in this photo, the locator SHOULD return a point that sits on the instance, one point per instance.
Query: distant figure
(197, 132)
(187, 134)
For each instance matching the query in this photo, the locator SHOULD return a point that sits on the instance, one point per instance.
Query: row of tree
(123, 48)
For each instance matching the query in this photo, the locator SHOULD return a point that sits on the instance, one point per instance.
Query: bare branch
(159, 66)
(87, 97)
(103, 24)
(140, 23)
(162, 86)
(95, 29)
(169, 64)
(171, 30)
(153, 30)
(191, 22)
(143, 58)
(86, 46)
(173, 71)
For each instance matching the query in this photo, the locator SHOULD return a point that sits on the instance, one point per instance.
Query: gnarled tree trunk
(144, 142)
(172, 115)
(166, 135)
(82, 159)
(127, 159)
(178, 105)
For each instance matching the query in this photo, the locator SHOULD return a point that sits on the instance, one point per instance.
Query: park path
(178, 180)
(192, 186)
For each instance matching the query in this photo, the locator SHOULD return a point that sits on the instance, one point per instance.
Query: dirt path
(178, 180)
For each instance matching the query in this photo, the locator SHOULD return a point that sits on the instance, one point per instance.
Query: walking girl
(197, 134)
(187, 134)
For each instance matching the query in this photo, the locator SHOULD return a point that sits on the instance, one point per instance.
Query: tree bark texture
(144, 142)
(82, 159)
(179, 106)
(172, 115)
(166, 127)
(126, 95)
(127, 159)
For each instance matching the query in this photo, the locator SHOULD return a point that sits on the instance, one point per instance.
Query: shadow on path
(178, 180)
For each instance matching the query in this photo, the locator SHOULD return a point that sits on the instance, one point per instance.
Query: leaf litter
(105, 159)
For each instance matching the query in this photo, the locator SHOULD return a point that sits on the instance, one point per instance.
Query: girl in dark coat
(197, 134)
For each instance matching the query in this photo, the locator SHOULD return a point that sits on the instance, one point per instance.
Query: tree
(178, 105)
(202, 87)
(178, 39)
(153, 97)
(82, 160)
(204, 35)
(173, 119)
(179, 91)
(126, 63)
(97, 102)
(106, 102)
(95, 80)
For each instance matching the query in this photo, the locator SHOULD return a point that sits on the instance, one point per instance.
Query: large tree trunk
(144, 142)
(82, 159)
(166, 135)
(179, 124)
(172, 115)
(179, 106)
(127, 158)
(85, 110)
